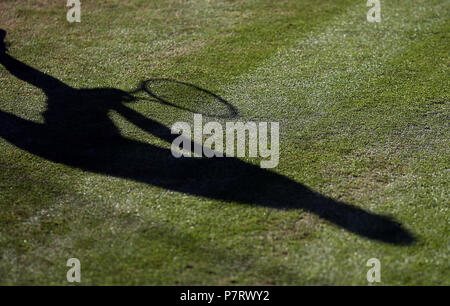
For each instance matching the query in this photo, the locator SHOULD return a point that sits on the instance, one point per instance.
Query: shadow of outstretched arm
(147, 124)
(28, 74)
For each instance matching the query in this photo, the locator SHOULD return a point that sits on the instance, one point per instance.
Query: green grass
(364, 119)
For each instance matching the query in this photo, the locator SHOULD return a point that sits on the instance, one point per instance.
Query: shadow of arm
(31, 75)
(148, 125)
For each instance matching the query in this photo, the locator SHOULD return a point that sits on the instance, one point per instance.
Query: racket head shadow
(188, 97)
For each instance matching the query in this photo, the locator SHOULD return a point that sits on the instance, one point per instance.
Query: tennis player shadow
(78, 132)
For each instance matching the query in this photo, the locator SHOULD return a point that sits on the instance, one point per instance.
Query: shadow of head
(237, 182)
(188, 97)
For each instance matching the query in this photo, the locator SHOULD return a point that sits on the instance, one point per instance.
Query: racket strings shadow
(177, 94)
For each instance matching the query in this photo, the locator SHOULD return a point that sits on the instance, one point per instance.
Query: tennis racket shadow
(187, 97)
(78, 132)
